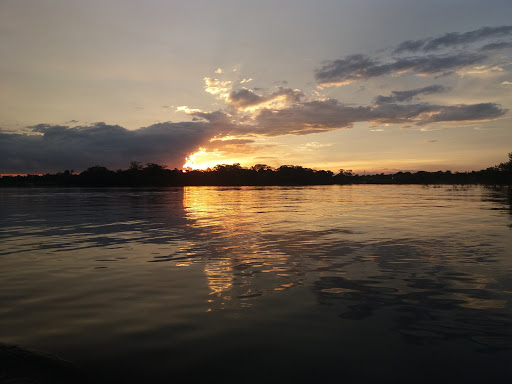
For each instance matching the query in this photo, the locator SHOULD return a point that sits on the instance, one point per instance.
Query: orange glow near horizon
(190, 161)
(203, 159)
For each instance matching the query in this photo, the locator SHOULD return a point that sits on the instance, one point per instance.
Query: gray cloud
(424, 62)
(360, 67)
(54, 148)
(327, 115)
(463, 112)
(245, 98)
(309, 117)
(496, 46)
(409, 45)
(453, 39)
(401, 96)
(215, 118)
(423, 114)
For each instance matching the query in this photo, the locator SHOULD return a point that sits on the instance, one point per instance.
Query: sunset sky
(367, 85)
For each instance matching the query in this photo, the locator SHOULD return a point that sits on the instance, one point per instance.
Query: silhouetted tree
(97, 175)
(135, 166)
(260, 174)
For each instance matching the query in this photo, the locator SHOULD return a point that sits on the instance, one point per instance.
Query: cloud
(328, 115)
(217, 87)
(423, 114)
(460, 113)
(309, 117)
(360, 67)
(425, 61)
(54, 148)
(496, 46)
(313, 146)
(245, 98)
(453, 39)
(289, 112)
(409, 45)
(480, 70)
(238, 146)
(401, 96)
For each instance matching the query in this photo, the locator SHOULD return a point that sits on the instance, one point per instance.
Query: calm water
(326, 284)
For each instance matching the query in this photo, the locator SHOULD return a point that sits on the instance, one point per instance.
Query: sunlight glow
(187, 110)
(205, 158)
(190, 161)
(277, 102)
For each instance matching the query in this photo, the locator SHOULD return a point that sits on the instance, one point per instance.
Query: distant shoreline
(155, 175)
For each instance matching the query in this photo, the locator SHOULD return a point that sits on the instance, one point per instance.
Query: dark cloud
(54, 148)
(453, 39)
(409, 45)
(463, 112)
(216, 117)
(328, 115)
(309, 117)
(245, 98)
(423, 62)
(423, 114)
(401, 96)
(496, 46)
(360, 67)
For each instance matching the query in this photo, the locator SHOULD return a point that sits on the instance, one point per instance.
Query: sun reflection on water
(238, 251)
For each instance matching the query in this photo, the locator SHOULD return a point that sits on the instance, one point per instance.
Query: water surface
(331, 283)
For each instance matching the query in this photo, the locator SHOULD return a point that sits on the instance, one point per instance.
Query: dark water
(326, 284)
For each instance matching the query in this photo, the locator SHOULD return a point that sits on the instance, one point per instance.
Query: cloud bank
(54, 147)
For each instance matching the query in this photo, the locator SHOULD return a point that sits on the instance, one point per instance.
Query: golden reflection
(240, 256)
(480, 283)
(219, 276)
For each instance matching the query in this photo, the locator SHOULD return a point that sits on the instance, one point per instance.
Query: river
(363, 283)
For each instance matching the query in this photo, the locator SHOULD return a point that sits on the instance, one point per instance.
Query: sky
(369, 85)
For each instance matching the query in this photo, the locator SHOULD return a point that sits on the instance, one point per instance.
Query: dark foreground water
(352, 284)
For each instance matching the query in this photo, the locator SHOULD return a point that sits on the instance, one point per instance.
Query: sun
(203, 159)
(190, 161)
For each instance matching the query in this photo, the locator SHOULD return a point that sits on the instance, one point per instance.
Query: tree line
(156, 175)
